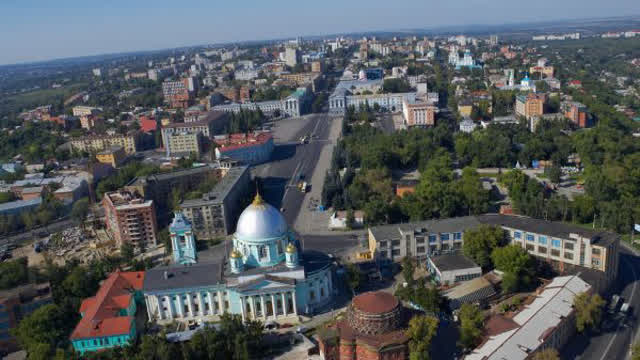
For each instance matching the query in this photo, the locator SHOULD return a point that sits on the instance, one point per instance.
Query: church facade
(265, 276)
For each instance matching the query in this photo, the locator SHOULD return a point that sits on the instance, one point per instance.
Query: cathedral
(265, 276)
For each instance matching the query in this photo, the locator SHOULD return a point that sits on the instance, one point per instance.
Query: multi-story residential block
(316, 67)
(303, 79)
(17, 303)
(109, 318)
(576, 112)
(291, 56)
(530, 104)
(130, 218)
(251, 149)
(183, 143)
(98, 143)
(418, 113)
(215, 213)
(90, 121)
(85, 110)
(179, 93)
(114, 155)
(214, 123)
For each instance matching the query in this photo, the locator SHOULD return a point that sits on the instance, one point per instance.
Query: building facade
(114, 156)
(530, 105)
(295, 104)
(183, 143)
(183, 242)
(98, 143)
(265, 278)
(215, 213)
(108, 318)
(250, 149)
(130, 218)
(418, 113)
(576, 112)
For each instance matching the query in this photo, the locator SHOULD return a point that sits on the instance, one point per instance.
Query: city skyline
(46, 32)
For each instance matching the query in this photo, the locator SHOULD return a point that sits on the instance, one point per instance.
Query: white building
(467, 125)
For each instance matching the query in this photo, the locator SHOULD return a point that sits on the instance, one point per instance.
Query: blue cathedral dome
(261, 221)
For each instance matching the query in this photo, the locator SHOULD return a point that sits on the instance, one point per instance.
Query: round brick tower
(375, 313)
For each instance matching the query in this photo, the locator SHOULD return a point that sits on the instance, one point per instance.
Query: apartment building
(576, 112)
(251, 149)
(85, 110)
(216, 212)
(98, 143)
(114, 156)
(130, 218)
(183, 144)
(179, 93)
(418, 113)
(530, 105)
(213, 123)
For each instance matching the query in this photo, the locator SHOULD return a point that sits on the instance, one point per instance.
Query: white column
(147, 300)
(293, 300)
(210, 300)
(201, 304)
(273, 306)
(244, 312)
(180, 307)
(262, 307)
(221, 302)
(169, 306)
(159, 304)
(252, 306)
(190, 305)
(284, 303)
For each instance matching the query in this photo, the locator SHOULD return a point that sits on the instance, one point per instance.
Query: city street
(614, 339)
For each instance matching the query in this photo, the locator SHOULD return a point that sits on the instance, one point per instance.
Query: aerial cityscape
(357, 181)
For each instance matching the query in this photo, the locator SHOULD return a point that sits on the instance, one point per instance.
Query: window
(432, 238)
(595, 251)
(556, 243)
(279, 247)
(568, 245)
(530, 247)
(517, 235)
(542, 240)
(419, 239)
(382, 244)
(445, 247)
(555, 252)
(420, 249)
(395, 252)
(395, 242)
(542, 249)
(457, 236)
(444, 236)
(529, 237)
(568, 255)
(263, 253)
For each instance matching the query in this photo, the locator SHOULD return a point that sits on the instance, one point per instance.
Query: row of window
(433, 238)
(102, 342)
(555, 243)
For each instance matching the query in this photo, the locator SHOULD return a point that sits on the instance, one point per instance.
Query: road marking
(633, 291)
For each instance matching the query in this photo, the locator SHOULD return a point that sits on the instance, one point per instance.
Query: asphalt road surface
(292, 161)
(615, 336)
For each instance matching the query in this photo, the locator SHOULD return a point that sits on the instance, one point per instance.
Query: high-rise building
(493, 40)
(130, 218)
(291, 55)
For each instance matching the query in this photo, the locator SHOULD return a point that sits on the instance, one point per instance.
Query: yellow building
(98, 143)
(114, 155)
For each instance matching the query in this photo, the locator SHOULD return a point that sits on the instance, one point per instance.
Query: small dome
(290, 248)
(377, 302)
(235, 254)
(260, 221)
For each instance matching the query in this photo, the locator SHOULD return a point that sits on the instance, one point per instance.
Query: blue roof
(18, 205)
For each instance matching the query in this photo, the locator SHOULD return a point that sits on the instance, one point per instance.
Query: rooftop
(449, 262)
(221, 190)
(241, 140)
(375, 302)
(171, 277)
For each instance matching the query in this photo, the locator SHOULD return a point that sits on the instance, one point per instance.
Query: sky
(32, 30)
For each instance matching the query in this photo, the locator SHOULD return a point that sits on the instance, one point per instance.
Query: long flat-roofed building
(215, 213)
(251, 149)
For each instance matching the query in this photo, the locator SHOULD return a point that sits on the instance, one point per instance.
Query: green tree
(517, 264)
(354, 278)
(471, 322)
(588, 311)
(41, 331)
(480, 242)
(127, 252)
(80, 210)
(635, 351)
(421, 331)
(554, 173)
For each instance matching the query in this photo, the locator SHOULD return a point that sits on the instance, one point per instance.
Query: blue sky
(33, 30)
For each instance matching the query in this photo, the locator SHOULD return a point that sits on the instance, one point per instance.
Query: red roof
(101, 311)
(147, 124)
(377, 302)
(241, 140)
(575, 82)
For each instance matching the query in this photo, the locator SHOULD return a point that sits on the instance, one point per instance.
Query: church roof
(177, 277)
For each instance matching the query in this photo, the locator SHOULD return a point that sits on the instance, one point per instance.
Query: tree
(408, 269)
(554, 173)
(421, 331)
(127, 252)
(547, 354)
(635, 351)
(518, 265)
(354, 278)
(80, 210)
(41, 331)
(471, 320)
(588, 311)
(480, 242)
(351, 219)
